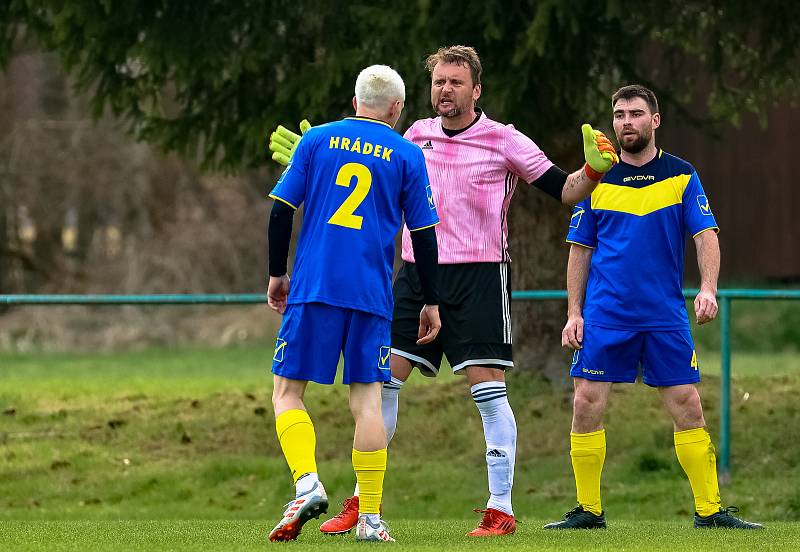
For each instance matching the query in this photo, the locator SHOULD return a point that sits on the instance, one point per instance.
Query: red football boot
(494, 523)
(344, 521)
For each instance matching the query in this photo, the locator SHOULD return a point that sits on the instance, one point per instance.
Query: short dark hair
(460, 55)
(636, 91)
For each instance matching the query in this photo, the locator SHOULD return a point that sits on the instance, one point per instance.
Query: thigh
(669, 359)
(366, 350)
(476, 316)
(408, 302)
(309, 342)
(608, 355)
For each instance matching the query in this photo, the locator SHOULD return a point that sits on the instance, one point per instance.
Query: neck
(373, 114)
(462, 121)
(644, 156)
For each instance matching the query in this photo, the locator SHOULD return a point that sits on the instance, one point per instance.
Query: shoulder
(422, 125)
(318, 131)
(674, 164)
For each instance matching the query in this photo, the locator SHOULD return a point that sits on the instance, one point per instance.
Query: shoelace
(574, 512)
(287, 507)
(346, 507)
(488, 517)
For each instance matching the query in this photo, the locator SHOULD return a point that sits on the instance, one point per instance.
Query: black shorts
(475, 311)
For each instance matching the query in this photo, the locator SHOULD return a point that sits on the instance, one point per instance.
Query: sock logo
(494, 453)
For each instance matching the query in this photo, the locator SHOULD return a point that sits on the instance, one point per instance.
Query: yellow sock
(298, 441)
(697, 457)
(588, 452)
(369, 468)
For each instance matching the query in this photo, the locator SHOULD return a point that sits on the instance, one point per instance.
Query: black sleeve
(279, 236)
(552, 182)
(426, 255)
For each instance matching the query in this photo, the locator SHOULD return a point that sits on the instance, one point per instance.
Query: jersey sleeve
(523, 156)
(583, 225)
(416, 198)
(291, 186)
(697, 215)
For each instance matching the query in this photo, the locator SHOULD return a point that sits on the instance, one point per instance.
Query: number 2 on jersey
(344, 214)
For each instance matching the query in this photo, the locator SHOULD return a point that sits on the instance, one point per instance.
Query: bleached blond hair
(378, 86)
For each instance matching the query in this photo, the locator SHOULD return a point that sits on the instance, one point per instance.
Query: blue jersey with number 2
(357, 179)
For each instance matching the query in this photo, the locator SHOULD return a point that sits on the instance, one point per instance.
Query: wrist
(592, 174)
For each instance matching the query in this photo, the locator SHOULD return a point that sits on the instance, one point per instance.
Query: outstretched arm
(600, 157)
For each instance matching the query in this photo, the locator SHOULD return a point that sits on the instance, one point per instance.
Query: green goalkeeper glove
(283, 142)
(599, 152)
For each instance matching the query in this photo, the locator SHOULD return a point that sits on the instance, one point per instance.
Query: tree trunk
(537, 227)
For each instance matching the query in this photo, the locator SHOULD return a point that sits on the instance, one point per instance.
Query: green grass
(440, 534)
(95, 447)
(756, 326)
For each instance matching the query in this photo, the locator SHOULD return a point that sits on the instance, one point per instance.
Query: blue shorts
(665, 358)
(313, 335)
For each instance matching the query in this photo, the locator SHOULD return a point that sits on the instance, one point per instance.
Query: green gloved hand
(599, 152)
(283, 142)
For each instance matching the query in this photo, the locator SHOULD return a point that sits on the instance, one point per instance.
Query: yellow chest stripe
(640, 201)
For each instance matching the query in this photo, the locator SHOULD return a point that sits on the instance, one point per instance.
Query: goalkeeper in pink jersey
(473, 165)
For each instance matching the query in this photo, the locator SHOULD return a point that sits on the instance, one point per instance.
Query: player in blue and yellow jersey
(358, 180)
(626, 261)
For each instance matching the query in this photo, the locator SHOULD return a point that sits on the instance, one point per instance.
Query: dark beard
(638, 145)
(455, 111)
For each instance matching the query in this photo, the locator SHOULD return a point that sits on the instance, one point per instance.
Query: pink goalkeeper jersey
(473, 176)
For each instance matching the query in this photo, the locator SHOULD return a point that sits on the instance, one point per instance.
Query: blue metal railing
(726, 297)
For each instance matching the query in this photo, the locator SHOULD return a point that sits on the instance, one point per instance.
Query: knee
(691, 406)
(688, 401)
(585, 403)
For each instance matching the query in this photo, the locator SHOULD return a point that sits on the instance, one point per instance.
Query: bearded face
(634, 124)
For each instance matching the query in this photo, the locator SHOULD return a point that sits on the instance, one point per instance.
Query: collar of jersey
(640, 167)
(369, 120)
(480, 114)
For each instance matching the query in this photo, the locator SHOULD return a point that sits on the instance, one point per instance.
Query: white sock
(500, 432)
(306, 483)
(374, 519)
(389, 403)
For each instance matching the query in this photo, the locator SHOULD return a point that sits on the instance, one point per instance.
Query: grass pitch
(175, 450)
(442, 534)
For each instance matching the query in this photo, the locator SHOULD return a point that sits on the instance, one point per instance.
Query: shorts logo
(429, 193)
(383, 358)
(280, 348)
(694, 360)
(593, 372)
(576, 217)
(705, 208)
(575, 356)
